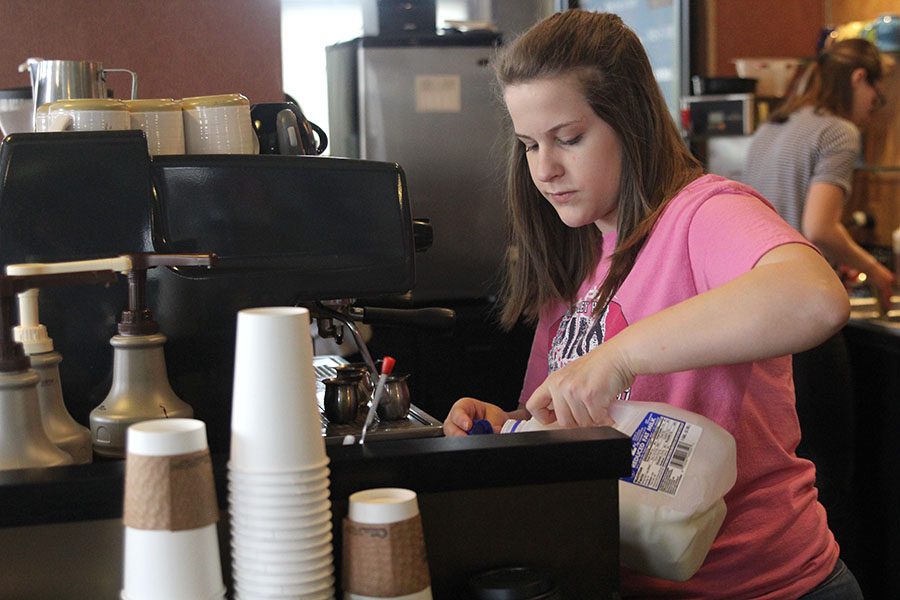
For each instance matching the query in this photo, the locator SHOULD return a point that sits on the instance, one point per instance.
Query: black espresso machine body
(286, 230)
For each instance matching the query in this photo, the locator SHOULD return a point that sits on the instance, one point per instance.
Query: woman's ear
(858, 76)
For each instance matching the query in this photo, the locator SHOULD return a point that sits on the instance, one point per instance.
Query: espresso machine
(330, 234)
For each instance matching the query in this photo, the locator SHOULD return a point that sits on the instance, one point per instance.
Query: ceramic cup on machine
(87, 114)
(162, 123)
(384, 547)
(218, 125)
(170, 515)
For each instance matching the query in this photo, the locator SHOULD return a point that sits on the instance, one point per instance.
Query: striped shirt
(785, 159)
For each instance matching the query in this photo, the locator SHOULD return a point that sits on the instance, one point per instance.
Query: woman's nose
(545, 166)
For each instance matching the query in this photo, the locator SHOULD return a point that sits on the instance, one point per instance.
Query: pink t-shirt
(775, 542)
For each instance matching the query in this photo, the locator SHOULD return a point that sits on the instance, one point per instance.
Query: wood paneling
(178, 48)
(760, 28)
(843, 11)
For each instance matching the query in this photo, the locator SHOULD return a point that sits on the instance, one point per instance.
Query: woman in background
(650, 281)
(802, 160)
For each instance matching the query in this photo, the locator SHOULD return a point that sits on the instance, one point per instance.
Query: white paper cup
(252, 558)
(289, 500)
(313, 474)
(314, 580)
(188, 558)
(383, 505)
(281, 507)
(302, 590)
(246, 488)
(292, 509)
(218, 125)
(271, 533)
(275, 420)
(420, 595)
(324, 564)
(307, 577)
(162, 124)
(268, 523)
(312, 544)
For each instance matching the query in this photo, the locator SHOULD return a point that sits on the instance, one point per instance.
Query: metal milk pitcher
(53, 80)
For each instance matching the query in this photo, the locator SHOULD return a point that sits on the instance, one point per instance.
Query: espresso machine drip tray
(417, 424)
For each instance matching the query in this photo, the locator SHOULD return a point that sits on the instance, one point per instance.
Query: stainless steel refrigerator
(427, 103)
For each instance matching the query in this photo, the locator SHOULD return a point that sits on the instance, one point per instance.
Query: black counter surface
(547, 498)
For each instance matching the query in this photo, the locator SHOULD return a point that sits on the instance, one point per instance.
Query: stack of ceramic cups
(278, 474)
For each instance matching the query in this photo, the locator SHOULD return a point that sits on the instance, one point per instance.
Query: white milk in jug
(671, 506)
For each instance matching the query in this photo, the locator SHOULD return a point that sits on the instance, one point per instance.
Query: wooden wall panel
(178, 48)
(760, 28)
(843, 11)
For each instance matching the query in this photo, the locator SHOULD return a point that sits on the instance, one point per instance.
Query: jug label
(661, 448)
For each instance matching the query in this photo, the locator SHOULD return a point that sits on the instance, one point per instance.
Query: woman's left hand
(580, 392)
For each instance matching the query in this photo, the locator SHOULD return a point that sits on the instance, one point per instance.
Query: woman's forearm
(789, 302)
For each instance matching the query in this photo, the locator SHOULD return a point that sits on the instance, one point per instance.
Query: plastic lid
(513, 583)
(88, 104)
(480, 427)
(166, 437)
(153, 104)
(211, 101)
(30, 333)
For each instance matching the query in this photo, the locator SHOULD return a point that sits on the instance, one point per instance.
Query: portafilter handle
(429, 318)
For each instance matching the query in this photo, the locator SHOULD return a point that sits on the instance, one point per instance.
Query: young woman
(803, 161)
(653, 282)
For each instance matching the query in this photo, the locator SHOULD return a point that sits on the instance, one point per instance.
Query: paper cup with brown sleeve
(170, 514)
(161, 121)
(384, 547)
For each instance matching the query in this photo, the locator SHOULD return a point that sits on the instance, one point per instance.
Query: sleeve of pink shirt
(728, 235)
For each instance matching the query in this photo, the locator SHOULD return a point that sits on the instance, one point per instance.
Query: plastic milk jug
(671, 506)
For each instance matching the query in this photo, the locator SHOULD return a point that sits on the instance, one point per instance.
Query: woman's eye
(570, 141)
(530, 147)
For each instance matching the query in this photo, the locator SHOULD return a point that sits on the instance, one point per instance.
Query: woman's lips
(560, 196)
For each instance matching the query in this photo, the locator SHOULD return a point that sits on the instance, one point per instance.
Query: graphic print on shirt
(580, 332)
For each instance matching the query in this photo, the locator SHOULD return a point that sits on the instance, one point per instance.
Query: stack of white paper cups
(170, 515)
(278, 470)
(384, 547)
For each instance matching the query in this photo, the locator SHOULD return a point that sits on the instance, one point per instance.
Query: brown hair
(547, 260)
(825, 85)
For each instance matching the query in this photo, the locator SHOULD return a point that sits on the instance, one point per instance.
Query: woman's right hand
(466, 411)
(882, 282)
